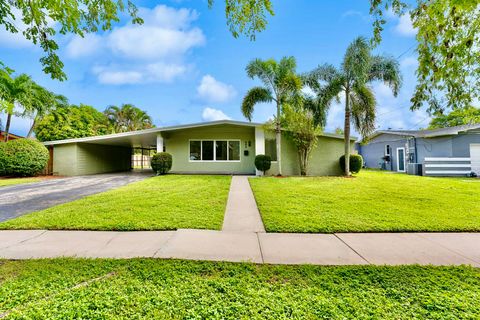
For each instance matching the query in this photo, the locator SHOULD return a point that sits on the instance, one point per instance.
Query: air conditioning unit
(415, 169)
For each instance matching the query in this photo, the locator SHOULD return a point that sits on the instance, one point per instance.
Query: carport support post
(259, 145)
(159, 143)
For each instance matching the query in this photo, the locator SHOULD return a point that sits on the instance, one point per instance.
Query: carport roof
(148, 137)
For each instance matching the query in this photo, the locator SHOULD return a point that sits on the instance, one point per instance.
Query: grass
(172, 289)
(160, 203)
(12, 181)
(372, 201)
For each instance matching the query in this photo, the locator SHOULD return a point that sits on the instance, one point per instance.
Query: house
(11, 136)
(453, 151)
(218, 147)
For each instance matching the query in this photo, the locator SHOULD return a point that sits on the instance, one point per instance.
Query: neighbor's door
(475, 157)
(401, 159)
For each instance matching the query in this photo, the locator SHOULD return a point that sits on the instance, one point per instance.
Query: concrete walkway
(273, 248)
(241, 214)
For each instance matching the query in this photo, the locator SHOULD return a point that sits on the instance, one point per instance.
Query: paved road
(20, 199)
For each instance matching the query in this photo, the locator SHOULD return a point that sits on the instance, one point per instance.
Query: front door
(401, 159)
(475, 158)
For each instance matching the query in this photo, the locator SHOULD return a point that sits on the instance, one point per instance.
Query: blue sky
(184, 66)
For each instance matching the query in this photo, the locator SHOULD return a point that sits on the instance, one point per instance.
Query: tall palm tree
(280, 84)
(42, 103)
(14, 92)
(128, 118)
(359, 69)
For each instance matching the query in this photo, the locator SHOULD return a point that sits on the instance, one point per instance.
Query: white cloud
(405, 27)
(154, 72)
(212, 90)
(152, 52)
(86, 46)
(211, 114)
(151, 42)
(408, 62)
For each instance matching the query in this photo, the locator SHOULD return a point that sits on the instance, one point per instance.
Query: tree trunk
(7, 126)
(302, 154)
(278, 137)
(32, 127)
(346, 133)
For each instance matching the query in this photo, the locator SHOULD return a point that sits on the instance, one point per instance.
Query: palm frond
(318, 109)
(255, 95)
(363, 105)
(265, 70)
(356, 62)
(386, 69)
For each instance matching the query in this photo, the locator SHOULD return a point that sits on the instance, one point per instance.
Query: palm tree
(280, 84)
(359, 69)
(43, 102)
(128, 118)
(14, 92)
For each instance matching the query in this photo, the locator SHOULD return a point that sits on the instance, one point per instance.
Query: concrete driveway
(20, 199)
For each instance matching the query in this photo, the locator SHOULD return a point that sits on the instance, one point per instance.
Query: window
(207, 150)
(234, 150)
(195, 150)
(221, 150)
(214, 150)
(271, 148)
(387, 150)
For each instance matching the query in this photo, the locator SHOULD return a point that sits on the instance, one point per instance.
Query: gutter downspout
(415, 145)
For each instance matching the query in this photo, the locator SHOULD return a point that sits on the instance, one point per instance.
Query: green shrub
(22, 157)
(161, 162)
(356, 163)
(263, 162)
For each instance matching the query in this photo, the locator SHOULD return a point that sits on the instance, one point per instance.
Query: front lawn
(12, 181)
(160, 203)
(166, 289)
(371, 201)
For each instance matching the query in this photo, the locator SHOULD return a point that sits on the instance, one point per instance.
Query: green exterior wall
(323, 161)
(83, 159)
(178, 144)
(65, 159)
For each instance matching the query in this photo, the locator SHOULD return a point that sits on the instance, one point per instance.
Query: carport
(104, 154)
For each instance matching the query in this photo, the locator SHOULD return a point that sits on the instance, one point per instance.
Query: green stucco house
(217, 147)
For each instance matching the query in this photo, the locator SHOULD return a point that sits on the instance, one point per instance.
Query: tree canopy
(358, 70)
(469, 115)
(127, 118)
(281, 85)
(43, 20)
(66, 122)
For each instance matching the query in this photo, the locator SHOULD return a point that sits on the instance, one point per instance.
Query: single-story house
(453, 151)
(217, 147)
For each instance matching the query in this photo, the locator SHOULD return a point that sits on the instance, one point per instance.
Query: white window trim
(404, 161)
(215, 150)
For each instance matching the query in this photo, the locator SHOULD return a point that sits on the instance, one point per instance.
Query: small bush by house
(161, 162)
(22, 157)
(263, 163)
(356, 163)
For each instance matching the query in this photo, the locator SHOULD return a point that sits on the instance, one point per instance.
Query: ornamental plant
(263, 163)
(22, 157)
(161, 162)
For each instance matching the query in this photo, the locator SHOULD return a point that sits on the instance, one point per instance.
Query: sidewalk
(243, 238)
(274, 248)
